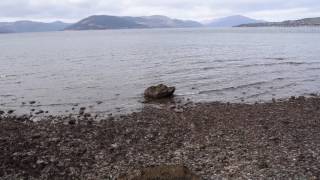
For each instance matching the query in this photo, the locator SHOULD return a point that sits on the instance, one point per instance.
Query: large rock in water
(161, 173)
(159, 91)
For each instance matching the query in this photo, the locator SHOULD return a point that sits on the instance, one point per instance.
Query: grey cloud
(190, 9)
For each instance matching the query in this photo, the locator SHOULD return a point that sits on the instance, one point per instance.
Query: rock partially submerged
(161, 173)
(158, 92)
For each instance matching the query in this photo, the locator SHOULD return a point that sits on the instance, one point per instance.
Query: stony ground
(214, 140)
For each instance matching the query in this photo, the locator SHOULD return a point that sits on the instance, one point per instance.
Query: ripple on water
(210, 66)
(234, 88)
(275, 64)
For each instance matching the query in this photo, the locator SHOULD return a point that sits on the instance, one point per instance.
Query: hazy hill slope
(232, 21)
(164, 22)
(31, 26)
(3, 30)
(291, 23)
(104, 22)
(117, 22)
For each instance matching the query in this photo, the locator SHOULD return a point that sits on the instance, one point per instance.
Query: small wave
(309, 80)
(78, 61)
(257, 95)
(36, 89)
(229, 60)
(14, 75)
(57, 104)
(7, 95)
(93, 87)
(210, 68)
(199, 62)
(190, 56)
(28, 74)
(176, 71)
(70, 88)
(274, 64)
(234, 88)
(313, 68)
(284, 86)
(277, 58)
(6, 76)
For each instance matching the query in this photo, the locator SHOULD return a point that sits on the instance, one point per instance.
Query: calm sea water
(62, 69)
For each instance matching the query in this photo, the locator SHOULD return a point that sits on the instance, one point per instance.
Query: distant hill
(291, 23)
(164, 22)
(232, 21)
(98, 22)
(105, 22)
(31, 26)
(3, 31)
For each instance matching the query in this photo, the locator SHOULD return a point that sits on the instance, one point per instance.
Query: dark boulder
(158, 92)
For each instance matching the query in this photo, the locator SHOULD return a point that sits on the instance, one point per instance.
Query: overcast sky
(74, 10)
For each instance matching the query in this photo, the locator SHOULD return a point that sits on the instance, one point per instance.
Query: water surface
(62, 69)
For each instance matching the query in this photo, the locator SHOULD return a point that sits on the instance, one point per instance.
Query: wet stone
(178, 110)
(32, 102)
(72, 122)
(99, 102)
(82, 110)
(87, 115)
(158, 92)
(10, 112)
(213, 140)
(39, 112)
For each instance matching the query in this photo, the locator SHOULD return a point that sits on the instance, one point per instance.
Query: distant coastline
(104, 22)
(290, 23)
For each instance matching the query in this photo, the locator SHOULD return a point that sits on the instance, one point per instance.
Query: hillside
(98, 22)
(3, 31)
(31, 26)
(232, 21)
(104, 22)
(291, 23)
(164, 22)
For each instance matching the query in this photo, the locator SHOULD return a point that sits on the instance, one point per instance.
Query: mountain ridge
(231, 21)
(288, 23)
(32, 26)
(99, 22)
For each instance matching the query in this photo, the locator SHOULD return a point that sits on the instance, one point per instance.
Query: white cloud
(73, 10)
(284, 14)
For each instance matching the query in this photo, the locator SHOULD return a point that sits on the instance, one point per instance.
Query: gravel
(214, 140)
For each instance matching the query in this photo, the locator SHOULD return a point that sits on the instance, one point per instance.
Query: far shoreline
(77, 110)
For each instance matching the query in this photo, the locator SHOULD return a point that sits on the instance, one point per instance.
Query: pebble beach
(275, 140)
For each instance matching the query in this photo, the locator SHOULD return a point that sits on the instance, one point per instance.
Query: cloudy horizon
(201, 10)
